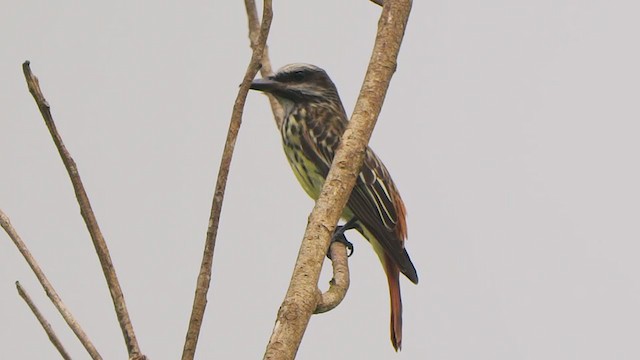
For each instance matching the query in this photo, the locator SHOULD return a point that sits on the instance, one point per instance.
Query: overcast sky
(511, 130)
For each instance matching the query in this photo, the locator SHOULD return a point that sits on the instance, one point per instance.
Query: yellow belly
(306, 172)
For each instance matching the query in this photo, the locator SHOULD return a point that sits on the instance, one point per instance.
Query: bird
(311, 129)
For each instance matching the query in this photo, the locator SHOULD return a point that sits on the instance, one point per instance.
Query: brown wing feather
(376, 203)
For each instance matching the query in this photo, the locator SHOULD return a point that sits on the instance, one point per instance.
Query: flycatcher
(314, 121)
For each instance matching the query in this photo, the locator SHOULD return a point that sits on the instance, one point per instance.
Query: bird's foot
(338, 236)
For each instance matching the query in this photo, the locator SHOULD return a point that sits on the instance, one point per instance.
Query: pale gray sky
(511, 129)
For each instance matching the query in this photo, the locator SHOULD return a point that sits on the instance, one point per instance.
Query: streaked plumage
(311, 130)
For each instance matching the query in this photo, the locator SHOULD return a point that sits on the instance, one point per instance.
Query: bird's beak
(265, 84)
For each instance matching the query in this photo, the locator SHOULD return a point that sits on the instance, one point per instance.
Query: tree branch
(204, 277)
(302, 297)
(339, 284)
(48, 288)
(43, 322)
(88, 216)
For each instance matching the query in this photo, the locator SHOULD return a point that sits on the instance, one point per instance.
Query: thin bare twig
(302, 297)
(88, 216)
(265, 69)
(43, 322)
(204, 277)
(48, 288)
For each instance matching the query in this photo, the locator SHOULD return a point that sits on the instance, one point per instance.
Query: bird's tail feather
(393, 277)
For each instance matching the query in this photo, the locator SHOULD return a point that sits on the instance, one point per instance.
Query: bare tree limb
(43, 322)
(302, 296)
(339, 284)
(204, 277)
(48, 288)
(88, 216)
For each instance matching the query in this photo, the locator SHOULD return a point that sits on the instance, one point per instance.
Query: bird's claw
(339, 237)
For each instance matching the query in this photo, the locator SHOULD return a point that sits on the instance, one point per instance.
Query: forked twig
(43, 322)
(265, 62)
(48, 288)
(88, 216)
(204, 277)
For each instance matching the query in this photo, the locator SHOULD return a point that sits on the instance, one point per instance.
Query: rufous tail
(393, 277)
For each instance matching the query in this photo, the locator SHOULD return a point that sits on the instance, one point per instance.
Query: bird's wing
(377, 196)
(374, 201)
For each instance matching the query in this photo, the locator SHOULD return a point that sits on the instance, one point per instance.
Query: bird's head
(298, 83)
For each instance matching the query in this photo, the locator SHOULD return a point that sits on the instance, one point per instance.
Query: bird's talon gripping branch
(338, 236)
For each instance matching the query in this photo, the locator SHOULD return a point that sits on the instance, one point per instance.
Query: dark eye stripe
(294, 76)
(298, 75)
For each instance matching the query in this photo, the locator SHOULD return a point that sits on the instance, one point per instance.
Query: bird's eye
(298, 76)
